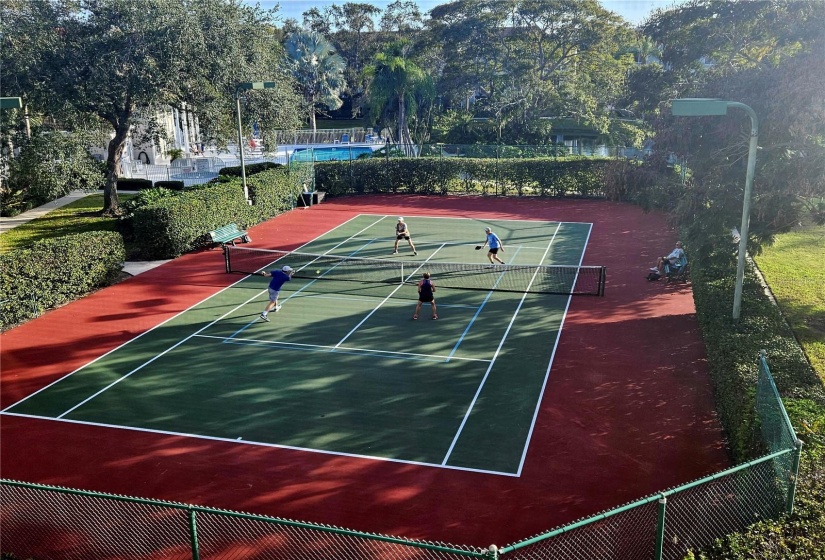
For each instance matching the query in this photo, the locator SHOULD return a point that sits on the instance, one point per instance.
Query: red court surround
(627, 411)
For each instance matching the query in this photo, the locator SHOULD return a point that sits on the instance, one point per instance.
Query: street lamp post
(243, 86)
(696, 107)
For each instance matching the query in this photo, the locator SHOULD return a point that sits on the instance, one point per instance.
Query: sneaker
(503, 263)
(435, 317)
(277, 308)
(264, 317)
(415, 253)
(415, 316)
(395, 252)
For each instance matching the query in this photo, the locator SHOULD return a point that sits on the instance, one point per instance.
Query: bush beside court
(173, 225)
(732, 350)
(572, 176)
(55, 271)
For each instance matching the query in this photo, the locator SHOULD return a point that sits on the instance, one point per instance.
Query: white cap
(287, 268)
(487, 229)
(400, 219)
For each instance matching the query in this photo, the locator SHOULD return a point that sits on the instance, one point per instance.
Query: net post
(602, 280)
(226, 262)
(402, 272)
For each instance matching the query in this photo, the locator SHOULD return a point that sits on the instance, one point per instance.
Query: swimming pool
(331, 153)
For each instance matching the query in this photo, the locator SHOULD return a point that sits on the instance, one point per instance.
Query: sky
(634, 11)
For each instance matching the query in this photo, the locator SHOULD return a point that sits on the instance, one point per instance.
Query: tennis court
(342, 368)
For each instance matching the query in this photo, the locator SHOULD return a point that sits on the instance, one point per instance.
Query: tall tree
(776, 65)
(401, 16)
(566, 58)
(113, 61)
(318, 70)
(396, 83)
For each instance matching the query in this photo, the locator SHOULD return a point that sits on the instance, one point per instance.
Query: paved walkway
(6, 224)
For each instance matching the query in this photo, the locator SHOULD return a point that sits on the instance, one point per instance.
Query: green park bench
(228, 234)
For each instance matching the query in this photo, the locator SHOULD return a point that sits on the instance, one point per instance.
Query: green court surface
(342, 368)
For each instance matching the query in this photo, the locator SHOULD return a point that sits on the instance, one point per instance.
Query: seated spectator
(673, 261)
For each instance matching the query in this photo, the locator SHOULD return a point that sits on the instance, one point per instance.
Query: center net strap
(540, 279)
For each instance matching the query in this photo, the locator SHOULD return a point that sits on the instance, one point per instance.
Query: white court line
(365, 351)
(115, 349)
(386, 298)
(308, 284)
(495, 355)
(483, 303)
(146, 363)
(363, 299)
(482, 220)
(258, 443)
(449, 244)
(550, 365)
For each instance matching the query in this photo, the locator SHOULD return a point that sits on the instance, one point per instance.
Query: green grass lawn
(80, 216)
(793, 268)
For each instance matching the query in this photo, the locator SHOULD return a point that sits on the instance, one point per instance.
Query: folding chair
(679, 272)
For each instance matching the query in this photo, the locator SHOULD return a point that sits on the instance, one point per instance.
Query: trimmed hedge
(451, 175)
(732, 350)
(171, 185)
(251, 169)
(55, 271)
(172, 226)
(133, 184)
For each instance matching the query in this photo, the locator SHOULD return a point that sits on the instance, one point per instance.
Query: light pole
(243, 86)
(697, 107)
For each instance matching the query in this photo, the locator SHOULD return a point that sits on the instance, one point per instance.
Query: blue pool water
(330, 154)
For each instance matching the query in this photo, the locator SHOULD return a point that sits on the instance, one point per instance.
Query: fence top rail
(643, 501)
(439, 547)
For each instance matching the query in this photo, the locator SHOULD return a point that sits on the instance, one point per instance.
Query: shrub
(133, 184)
(437, 175)
(172, 225)
(732, 350)
(55, 271)
(172, 185)
(251, 169)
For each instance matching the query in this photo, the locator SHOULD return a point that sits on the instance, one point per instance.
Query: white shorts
(273, 294)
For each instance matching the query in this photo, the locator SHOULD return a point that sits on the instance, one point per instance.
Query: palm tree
(394, 79)
(318, 69)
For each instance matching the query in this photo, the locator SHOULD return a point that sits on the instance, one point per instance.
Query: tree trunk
(312, 122)
(403, 129)
(111, 206)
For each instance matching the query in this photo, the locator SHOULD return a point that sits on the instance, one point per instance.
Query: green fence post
(794, 475)
(492, 552)
(193, 535)
(660, 529)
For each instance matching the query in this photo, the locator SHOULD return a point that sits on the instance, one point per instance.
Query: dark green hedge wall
(55, 271)
(174, 225)
(434, 175)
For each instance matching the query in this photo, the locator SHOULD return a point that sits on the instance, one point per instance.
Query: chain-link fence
(44, 522)
(669, 524)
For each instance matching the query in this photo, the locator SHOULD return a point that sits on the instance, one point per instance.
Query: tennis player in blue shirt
(495, 246)
(279, 278)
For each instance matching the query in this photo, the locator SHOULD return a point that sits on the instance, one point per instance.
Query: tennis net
(543, 279)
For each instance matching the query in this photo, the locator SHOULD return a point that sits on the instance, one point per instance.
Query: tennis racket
(478, 247)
